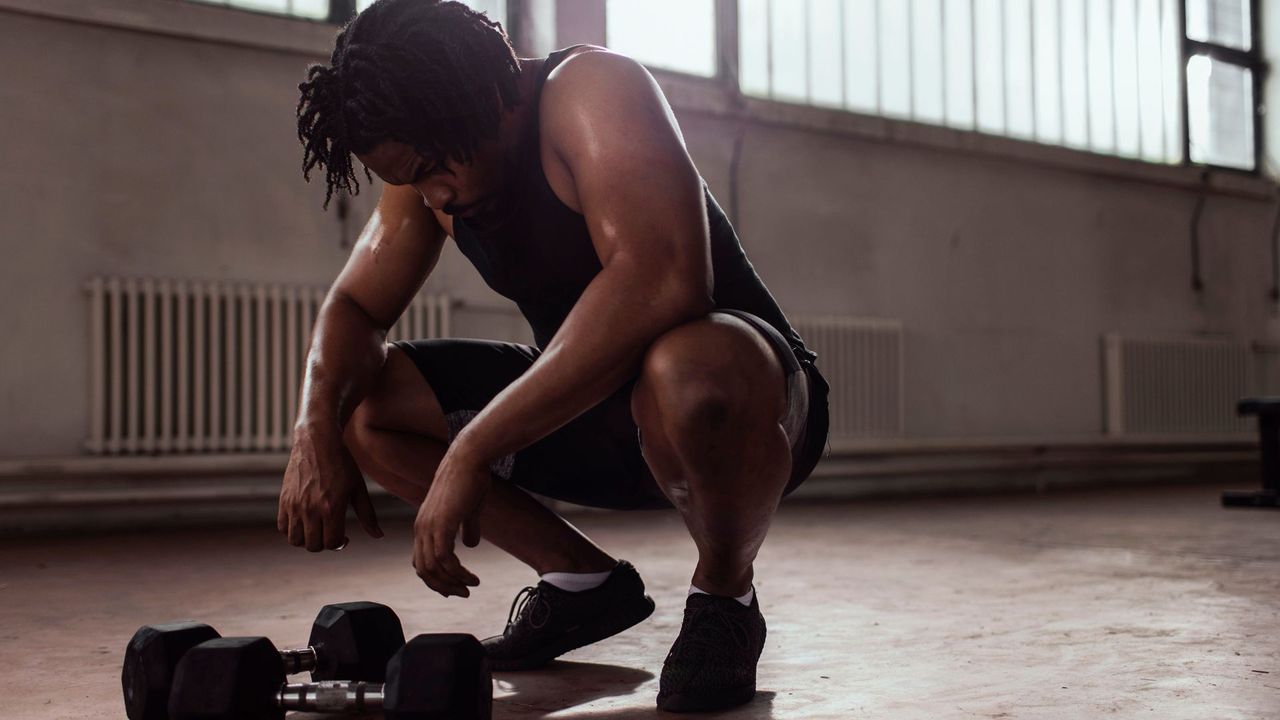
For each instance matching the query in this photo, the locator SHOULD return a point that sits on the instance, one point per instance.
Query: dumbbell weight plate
(149, 661)
(355, 641)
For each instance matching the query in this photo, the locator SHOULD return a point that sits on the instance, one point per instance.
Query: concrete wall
(160, 142)
(1004, 273)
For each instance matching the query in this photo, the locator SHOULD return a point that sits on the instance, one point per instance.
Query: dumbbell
(349, 641)
(432, 677)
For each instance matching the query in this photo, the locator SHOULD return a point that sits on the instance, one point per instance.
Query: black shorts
(595, 459)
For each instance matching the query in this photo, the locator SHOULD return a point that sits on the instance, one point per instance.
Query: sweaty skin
(611, 150)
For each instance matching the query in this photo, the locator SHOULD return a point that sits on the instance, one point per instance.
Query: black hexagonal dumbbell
(349, 641)
(433, 677)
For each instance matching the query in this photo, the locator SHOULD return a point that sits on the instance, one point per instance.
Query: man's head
(413, 86)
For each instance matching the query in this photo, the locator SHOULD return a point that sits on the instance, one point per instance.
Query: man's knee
(399, 400)
(700, 377)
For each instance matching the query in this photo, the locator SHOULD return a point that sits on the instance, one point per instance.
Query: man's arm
(397, 250)
(643, 201)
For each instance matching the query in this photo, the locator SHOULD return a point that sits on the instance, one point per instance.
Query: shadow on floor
(564, 685)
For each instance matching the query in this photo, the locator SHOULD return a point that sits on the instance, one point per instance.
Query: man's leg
(398, 436)
(709, 404)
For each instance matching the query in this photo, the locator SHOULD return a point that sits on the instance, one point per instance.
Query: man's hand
(320, 482)
(453, 503)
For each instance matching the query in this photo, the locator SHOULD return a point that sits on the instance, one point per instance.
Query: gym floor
(1069, 604)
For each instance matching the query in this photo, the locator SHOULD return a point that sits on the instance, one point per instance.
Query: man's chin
(478, 209)
(464, 211)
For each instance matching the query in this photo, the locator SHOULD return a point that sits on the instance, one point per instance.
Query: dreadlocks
(430, 74)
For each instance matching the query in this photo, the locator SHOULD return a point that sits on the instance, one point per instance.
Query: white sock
(744, 599)
(576, 582)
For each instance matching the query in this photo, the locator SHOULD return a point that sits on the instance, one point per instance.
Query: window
(310, 9)
(1098, 75)
(1223, 70)
(671, 34)
(338, 9)
(495, 9)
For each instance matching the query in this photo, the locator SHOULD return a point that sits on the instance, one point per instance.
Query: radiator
(1181, 385)
(198, 367)
(862, 360)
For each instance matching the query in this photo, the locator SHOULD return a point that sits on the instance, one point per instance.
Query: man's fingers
(334, 537)
(432, 572)
(297, 532)
(282, 518)
(446, 560)
(314, 528)
(364, 510)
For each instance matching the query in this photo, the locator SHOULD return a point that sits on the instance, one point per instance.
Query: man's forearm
(347, 351)
(597, 349)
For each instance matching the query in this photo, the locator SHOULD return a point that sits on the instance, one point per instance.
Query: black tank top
(539, 253)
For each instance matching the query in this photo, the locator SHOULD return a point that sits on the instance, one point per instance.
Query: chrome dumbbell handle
(300, 660)
(331, 696)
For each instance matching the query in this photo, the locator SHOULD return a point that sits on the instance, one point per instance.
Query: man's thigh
(593, 460)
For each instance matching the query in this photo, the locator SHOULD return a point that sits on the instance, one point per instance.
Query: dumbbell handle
(331, 696)
(300, 660)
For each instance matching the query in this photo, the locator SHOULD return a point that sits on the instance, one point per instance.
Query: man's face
(464, 190)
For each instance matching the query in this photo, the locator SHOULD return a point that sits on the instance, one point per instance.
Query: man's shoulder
(592, 74)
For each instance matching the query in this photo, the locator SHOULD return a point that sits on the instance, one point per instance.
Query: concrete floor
(1148, 602)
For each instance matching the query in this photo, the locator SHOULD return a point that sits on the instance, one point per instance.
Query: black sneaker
(712, 664)
(546, 622)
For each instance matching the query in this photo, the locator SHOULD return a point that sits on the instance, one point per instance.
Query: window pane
(989, 42)
(895, 58)
(1018, 64)
(1125, 54)
(1171, 87)
(1099, 75)
(753, 46)
(275, 6)
(1223, 22)
(958, 22)
(1075, 74)
(314, 9)
(926, 60)
(826, 79)
(644, 29)
(1047, 79)
(1220, 113)
(495, 9)
(862, 51)
(1102, 136)
(789, 53)
(1150, 81)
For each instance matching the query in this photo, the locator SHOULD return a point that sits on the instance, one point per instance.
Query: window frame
(1252, 60)
(728, 76)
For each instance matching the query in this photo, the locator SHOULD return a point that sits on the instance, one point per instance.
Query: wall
(1004, 274)
(156, 153)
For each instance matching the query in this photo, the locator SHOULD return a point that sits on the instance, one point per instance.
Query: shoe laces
(531, 598)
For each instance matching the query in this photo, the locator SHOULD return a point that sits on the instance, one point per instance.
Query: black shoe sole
(706, 701)
(573, 640)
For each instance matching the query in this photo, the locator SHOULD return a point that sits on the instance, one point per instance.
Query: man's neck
(517, 122)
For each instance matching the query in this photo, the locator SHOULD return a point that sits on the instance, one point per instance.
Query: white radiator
(199, 367)
(1181, 385)
(862, 360)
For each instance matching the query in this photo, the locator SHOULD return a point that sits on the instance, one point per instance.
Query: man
(664, 373)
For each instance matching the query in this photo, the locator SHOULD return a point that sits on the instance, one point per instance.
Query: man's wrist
(469, 445)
